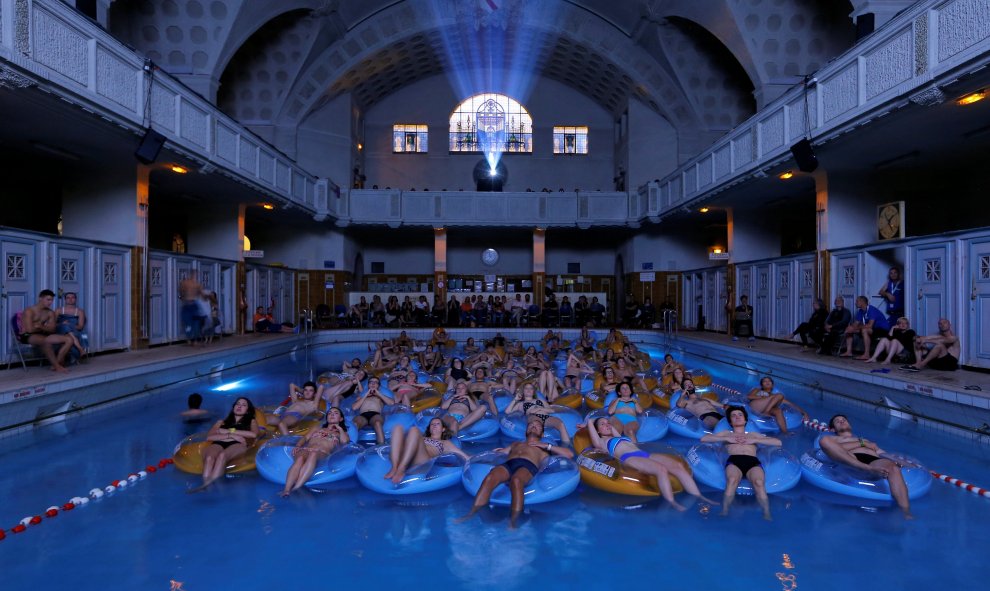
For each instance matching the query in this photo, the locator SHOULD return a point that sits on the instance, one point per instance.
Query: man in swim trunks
(38, 329)
(706, 410)
(369, 408)
(866, 455)
(943, 354)
(742, 460)
(522, 464)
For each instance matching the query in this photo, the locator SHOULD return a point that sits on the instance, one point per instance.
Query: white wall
(325, 142)
(667, 252)
(411, 259)
(431, 101)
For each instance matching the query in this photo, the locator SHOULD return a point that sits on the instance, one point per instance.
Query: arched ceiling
(610, 50)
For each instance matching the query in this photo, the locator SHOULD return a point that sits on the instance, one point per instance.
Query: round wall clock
(489, 256)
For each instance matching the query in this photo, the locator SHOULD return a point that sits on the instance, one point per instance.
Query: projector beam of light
(491, 48)
(229, 386)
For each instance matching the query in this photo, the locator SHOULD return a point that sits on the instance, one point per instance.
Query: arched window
(491, 122)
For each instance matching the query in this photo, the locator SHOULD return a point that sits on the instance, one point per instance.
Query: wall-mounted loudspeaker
(804, 154)
(151, 144)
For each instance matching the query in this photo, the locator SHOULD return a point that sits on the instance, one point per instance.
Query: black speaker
(151, 144)
(865, 23)
(804, 154)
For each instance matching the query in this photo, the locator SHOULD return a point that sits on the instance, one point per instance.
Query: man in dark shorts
(369, 408)
(864, 454)
(742, 460)
(706, 410)
(943, 353)
(523, 463)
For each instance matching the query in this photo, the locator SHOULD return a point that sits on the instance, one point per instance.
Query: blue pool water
(240, 534)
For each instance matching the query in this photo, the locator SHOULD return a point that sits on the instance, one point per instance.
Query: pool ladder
(669, 328)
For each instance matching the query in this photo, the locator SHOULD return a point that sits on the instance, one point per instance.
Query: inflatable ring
(513, 425)
(428, 398)
(700, 377)
(557, 477)
(653, 424)
(604, 472)
(780, 466)
(188, 456)
(825, 473)
(597, 399)
(661, 398)
(436, 473)
(484, 428)
(570, 398)
(274, 459)
(393, 414)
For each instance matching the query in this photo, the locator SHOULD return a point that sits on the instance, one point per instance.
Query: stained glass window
(491, 123)
(570, 140)
(410, 138)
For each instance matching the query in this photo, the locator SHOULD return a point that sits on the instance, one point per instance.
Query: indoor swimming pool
(239, 533)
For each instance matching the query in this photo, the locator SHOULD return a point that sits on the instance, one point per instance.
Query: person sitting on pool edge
(606, 439)
(369, 407)
(518, 470)
(706, 410)
(847, 448)
(939, 351)
(229, 439)
(742, 462)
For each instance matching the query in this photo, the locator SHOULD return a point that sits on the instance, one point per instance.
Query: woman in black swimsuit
(532, 406)
(456, 373)
(229, 439)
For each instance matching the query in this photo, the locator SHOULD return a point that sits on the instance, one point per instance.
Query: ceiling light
(703, 210)
(717, 250)
(786, 175)
(178, 169)
(268, 206)
(975, 97)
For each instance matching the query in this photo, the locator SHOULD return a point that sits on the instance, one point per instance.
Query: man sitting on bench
(38, 329)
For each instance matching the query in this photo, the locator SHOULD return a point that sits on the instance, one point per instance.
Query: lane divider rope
(94, 494)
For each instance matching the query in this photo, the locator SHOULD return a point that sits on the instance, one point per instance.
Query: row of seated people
(474, 311)
(878, 338)
(57, 334)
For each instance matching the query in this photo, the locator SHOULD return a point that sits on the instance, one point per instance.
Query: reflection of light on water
(409, 531)
(568, 538)
(788, 581)
(229, 386)
(175, 586)
(490, 555)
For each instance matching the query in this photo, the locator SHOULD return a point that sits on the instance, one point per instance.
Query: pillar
(440, 263)
(539, 265)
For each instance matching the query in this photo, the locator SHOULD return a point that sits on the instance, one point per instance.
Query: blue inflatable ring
(826, 473)
(556, 478)
(437, 473)
(708, 460)
(484, 428)
(653, 424)
(275, 457)
(513, 425)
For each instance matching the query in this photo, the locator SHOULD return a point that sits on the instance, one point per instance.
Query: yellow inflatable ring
(602, 471)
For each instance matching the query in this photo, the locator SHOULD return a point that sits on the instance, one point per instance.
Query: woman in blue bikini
(624, 411)
(662, 467)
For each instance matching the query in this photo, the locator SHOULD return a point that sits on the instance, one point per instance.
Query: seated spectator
(899, 343)
(939, 351)
(835, 326)
(649, 313)
(38, 329)
(566, 310)
(630, 311)
(518, 309)
(263, 322)
(596, 311)
(453, 311)
(377, 310)
(71, 320)
(814, 328)
(581, 311)
(869, 323)
(551, 310)
(422, 311)
(359, 311)
(742, 320)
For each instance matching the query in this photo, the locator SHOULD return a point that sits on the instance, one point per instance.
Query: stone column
(539, 265)
(440, 264)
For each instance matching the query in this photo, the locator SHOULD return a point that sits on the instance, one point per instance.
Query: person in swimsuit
(943, 353)
(193, 412)
(510, 376)
(605, 438)
(347, 386)
(520, 467)
(229, 439)
(765, 401)
(610, 380)
(549, 385)
(456, 373)
(576, 370)
(533, 407)
(481, 389)
(318, 444)
(351, 367)
(624, 411)
(302, 402)
(38, 329)
(470, 348)
(706, 410)
(439, 338)
(411, 448)
(517, 349)
(402, 342)
(430, 359)
(674, 381)
(847, 448)
(586, 344)
(627, 373)
(398, 374)
(742, 462)
(369, 407)
(462, 409)
(71, 320)
(190, 291)
(533, 360)
(407, 390)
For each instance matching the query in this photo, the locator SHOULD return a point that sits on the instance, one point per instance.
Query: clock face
(889, 221)
(489, 256)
